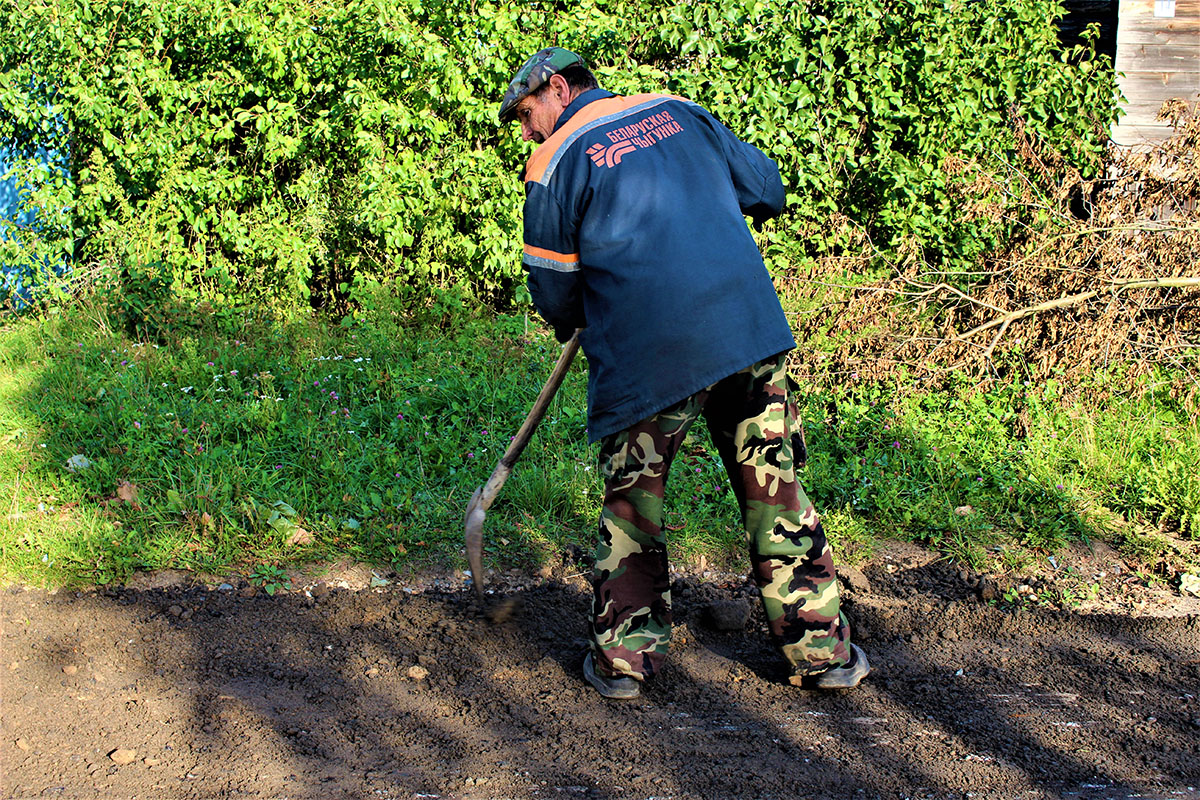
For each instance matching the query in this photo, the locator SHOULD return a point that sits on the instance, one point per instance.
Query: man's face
(538, 112)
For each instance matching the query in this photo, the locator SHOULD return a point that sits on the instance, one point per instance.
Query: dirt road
(404, 691)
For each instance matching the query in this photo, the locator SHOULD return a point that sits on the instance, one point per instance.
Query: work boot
(623, 688)
(846, 676)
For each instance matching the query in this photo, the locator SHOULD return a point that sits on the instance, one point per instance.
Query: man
(635, 233)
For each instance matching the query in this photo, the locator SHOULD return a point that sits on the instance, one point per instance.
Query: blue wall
(10, 200)
(16, 279)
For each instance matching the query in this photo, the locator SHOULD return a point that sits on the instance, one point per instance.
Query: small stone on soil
(418, 673)
(122, 756)
(70, 669)
(22, 745)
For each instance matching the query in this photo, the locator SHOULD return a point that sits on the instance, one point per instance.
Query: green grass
(967, 470)
(372, 435)
(236, 448)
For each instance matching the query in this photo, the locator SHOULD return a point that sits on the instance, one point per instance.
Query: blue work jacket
(635, 231)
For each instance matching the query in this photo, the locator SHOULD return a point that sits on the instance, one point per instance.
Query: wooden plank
(1146, 20)
(1140, 135)
(1188, 50)
(1181, 36)
(1183, 8)
(1155, 130)
(1177, 61)
(1128, 53)
(1171, 83)
(1146, 43)
(1140, 23)
(1143, 106)
(1136, 20)
(1128, 132)
(1177, 80)
(1158, 58)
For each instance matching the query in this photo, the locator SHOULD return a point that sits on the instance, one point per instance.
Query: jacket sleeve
(551, 258)
(755, 176)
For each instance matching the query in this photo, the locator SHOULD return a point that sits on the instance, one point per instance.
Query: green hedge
(277, 152)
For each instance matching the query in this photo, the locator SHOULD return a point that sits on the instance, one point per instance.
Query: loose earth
(411, 690)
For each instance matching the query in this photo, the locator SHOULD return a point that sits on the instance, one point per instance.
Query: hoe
(482, 499)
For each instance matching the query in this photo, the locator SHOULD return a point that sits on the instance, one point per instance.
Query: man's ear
(561, 89)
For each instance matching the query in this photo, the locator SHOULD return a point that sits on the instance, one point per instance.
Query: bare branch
(1145, 283)
(947, 287)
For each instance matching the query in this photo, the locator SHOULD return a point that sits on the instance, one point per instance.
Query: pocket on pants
(794, 424)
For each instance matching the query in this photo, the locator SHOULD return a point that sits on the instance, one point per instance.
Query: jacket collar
(590, 96)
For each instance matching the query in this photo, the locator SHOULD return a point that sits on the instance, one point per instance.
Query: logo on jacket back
(609, 156)
(644, 133)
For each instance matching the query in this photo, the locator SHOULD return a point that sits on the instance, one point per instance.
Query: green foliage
(290, 442)
(1145, 458)
(900, 116)
(1173, 490)
(141, 297)
(961, 468)
(272, 153)
(35, 231)
(271, 578)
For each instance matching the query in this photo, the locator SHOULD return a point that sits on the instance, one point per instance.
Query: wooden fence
(1158, 58)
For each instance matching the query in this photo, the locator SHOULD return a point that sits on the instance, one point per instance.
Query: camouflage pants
(757, 434)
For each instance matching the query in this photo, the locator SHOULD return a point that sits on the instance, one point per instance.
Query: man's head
(542, 88)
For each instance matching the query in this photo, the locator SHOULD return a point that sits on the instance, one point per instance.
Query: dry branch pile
(1108, 275)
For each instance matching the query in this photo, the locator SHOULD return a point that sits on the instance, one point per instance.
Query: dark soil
(408, 691)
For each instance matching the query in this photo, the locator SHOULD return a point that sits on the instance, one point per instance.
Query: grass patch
(241, 448)
(968, 470)
(280, 442)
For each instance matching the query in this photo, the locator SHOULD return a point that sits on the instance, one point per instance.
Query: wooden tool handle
(517, 446)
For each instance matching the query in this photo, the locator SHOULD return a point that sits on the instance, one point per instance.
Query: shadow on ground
(407, 694)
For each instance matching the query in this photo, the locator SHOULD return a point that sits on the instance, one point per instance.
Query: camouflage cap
(533, 74)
